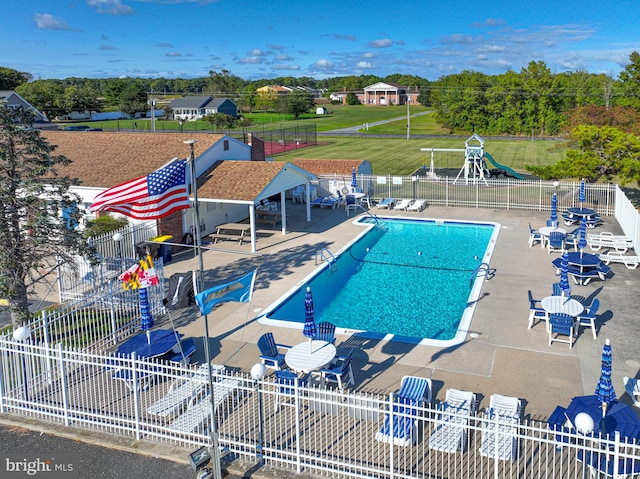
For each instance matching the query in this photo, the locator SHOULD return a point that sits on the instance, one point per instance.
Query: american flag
(150, 197)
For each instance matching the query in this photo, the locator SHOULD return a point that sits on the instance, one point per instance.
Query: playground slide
(508, 170)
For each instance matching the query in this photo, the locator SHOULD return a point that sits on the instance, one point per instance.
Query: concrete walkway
(501, 356)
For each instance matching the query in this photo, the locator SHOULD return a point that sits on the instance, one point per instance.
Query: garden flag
(238, 290)
(150, 197)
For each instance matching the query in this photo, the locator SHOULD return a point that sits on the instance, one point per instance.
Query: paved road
(79, 459)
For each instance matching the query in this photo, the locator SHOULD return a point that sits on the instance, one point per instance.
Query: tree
(133, 99)
(352, 99)
(10, 78)
(600, 152)
(629, 85)
(220, 121)
(39, 218)
(45, 95)
(299, 102)
(266, 100)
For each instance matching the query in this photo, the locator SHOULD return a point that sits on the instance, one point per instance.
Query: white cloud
(285, 67)
(324, 64)
(173, 54)
(364, 65)
(111, 7)
(381, 43)
(49, 22)
(256, 52)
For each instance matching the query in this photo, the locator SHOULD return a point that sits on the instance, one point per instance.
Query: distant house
(190, 108)
(381, 94)
(280, 90)
(12, 100)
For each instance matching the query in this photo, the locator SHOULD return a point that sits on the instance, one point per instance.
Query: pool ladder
(482, 269)
(325, 255)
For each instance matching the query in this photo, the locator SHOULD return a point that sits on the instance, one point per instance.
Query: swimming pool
(405, 279)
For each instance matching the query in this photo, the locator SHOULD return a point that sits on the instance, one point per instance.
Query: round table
(560, 304)
(305, 358)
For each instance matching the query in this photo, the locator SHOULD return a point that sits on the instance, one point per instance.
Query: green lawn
(403, 157)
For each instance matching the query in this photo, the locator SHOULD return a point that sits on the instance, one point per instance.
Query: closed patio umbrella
(354, 181)
(146, 319)
(565, 288)
(582, 241)
(554, 210)
(581, 196)
(309, 323)
(604, 390)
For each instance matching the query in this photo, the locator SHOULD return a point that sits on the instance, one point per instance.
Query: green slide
(507, 170)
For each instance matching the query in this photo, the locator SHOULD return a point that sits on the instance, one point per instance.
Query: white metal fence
(307, 429)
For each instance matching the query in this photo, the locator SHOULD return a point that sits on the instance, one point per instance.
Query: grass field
(403, 157)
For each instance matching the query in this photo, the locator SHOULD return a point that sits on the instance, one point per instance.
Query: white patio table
(304, 358)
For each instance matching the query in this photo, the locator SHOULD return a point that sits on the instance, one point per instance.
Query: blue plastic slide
(507, 170)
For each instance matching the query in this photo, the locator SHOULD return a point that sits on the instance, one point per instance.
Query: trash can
(164, 251)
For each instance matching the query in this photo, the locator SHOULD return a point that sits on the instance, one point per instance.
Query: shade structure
(582, 241)
(604, 390)
(309, 323)
(565, 288)
(146, 319)
(354, 180)
(554, 209)
(581, 196)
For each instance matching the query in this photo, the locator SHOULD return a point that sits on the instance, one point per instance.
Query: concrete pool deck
(500, 356)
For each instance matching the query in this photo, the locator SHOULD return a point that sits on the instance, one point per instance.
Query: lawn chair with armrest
(270, 354)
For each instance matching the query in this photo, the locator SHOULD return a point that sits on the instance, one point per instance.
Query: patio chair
(536, 311)
(561, 325)
(183, 356)
(270, 354)
(417, 205)
(287, 387)
(556, 242)
(181, 392)
(299, 194)
(573, 237)
(342, 200)
(588, 318)
(403, 204)
(553, 224)
(387, 203)
(534, 235)
(450, 433)
(326, 331)
(500, 430)
(632, 387)
(340, 373)
(197, 416)
(400, 425)
(556, 290)
(351, 204)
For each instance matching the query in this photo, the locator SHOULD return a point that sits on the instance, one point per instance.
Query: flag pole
(215, 450)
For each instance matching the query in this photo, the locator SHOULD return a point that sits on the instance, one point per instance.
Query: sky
(319, 39)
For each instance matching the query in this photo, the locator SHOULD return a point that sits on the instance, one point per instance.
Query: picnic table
(270, 217)
(231, 231)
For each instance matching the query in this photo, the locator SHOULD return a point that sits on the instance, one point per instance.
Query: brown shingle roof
(239, 180)
(327, 167)
(105, 159)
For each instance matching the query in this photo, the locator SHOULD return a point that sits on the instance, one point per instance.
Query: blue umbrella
(146, 319)
(582, 242)
(604, 390)
(354, 181)
(554, 210)
(581, 197)
(309, 323)
(564, 276)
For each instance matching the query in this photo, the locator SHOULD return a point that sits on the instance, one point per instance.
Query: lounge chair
(402, 204)
(400, 426)
(632, 387)
(630, 261)
(561, 324)
(500, 430)
(417, 205)
(183, 356)
(387, 203)
(450, 433)
(325, 202)
(270, 354)
(588, 318)
(535, 235)
(608, 240)
(197, 417)
(181, 392)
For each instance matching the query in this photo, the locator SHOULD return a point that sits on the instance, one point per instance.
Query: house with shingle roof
(190, 108)
(229, 183)
(12, 100)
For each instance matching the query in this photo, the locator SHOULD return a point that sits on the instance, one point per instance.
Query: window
(226, 145)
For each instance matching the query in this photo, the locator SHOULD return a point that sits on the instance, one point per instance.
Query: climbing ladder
(325, 255)
(482, 269)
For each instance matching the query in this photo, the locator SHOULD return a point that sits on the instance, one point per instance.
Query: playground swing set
(475, 162)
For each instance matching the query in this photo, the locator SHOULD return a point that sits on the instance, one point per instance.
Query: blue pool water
(403, 277)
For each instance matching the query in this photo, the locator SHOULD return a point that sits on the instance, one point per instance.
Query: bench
(271, 218)
(216, 236)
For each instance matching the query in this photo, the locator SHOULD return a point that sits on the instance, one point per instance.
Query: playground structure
(475, 166)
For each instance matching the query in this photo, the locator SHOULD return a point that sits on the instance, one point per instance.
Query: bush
(103, 225)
